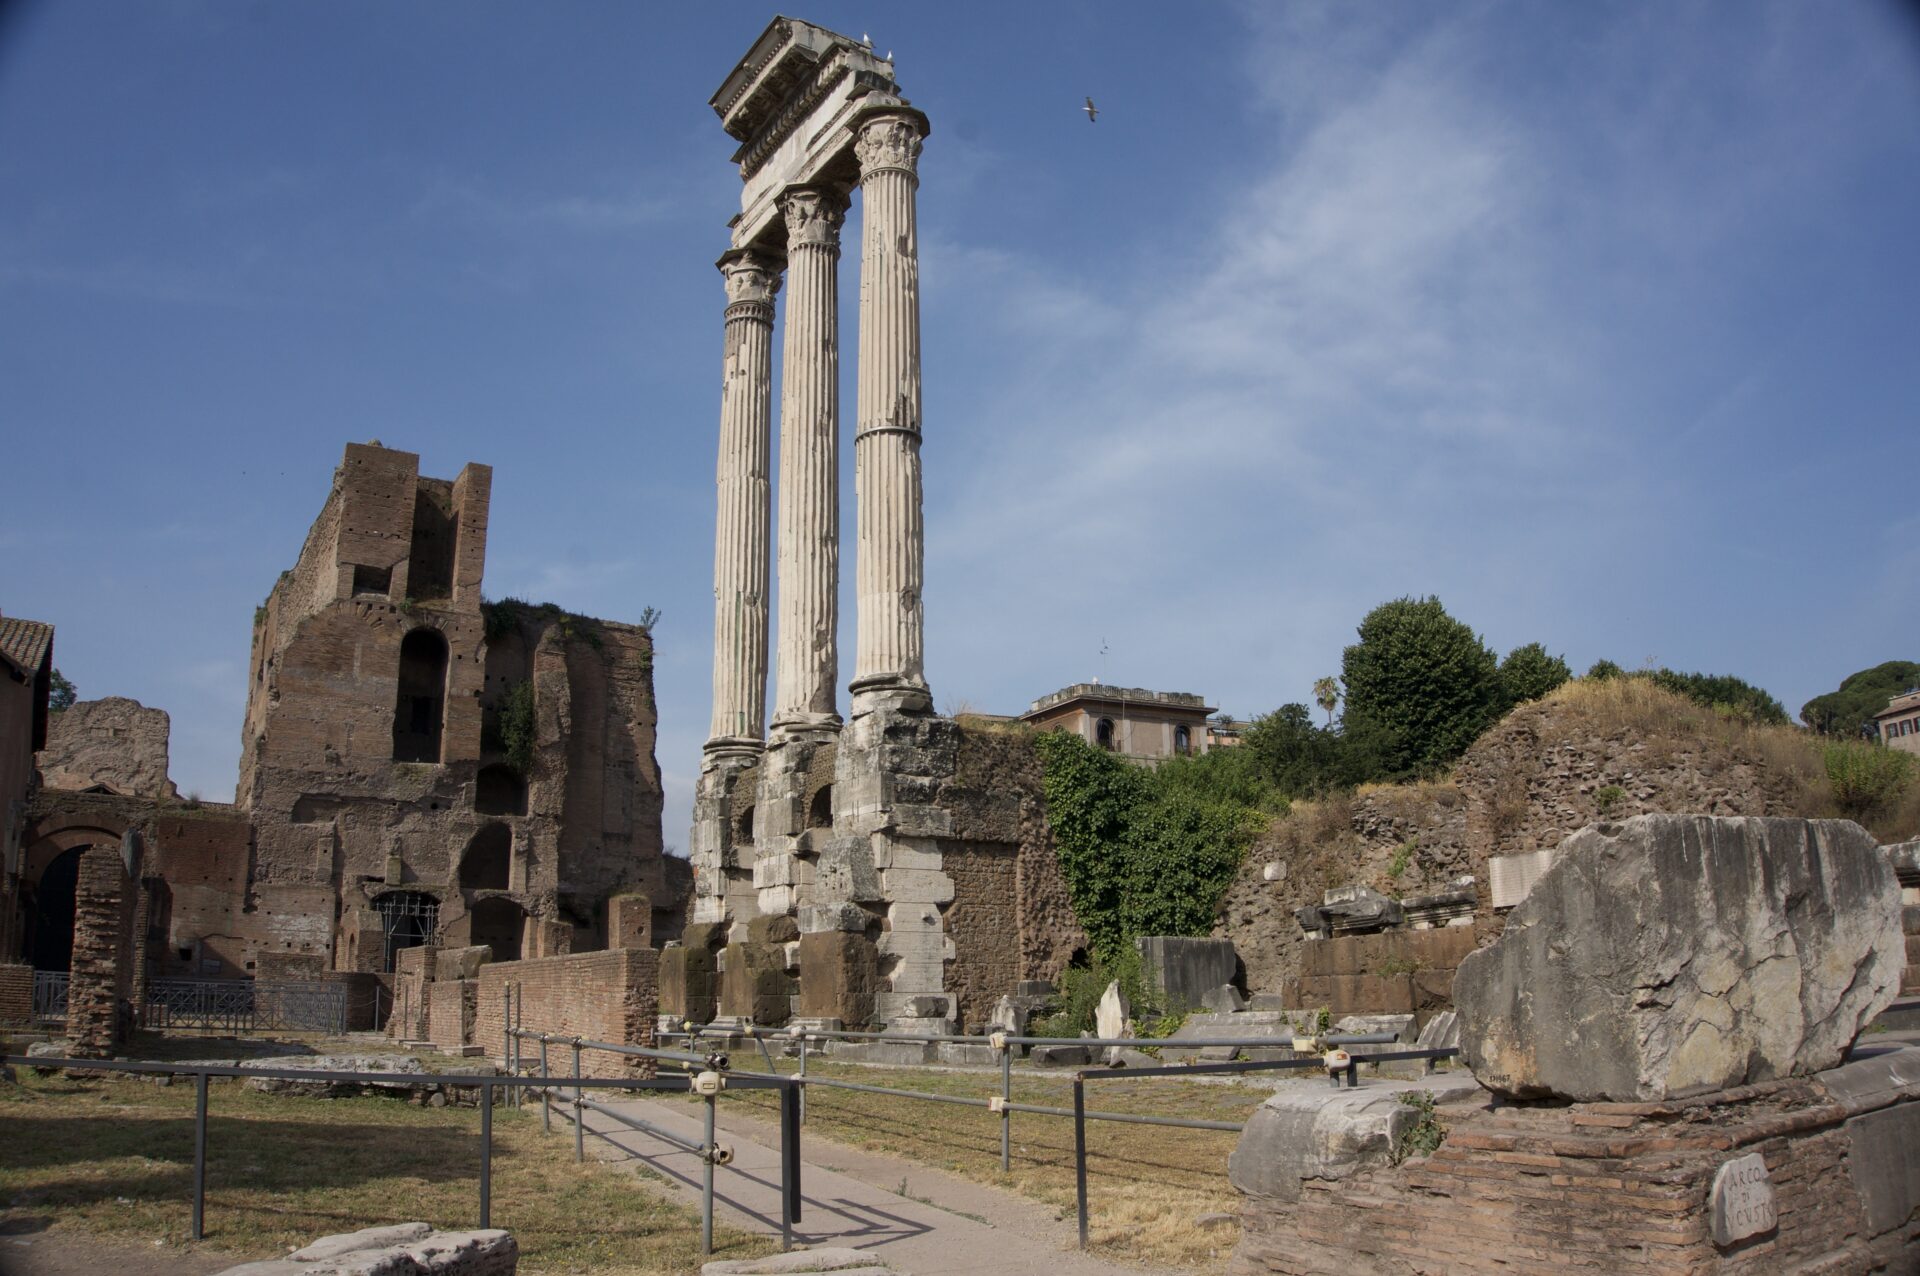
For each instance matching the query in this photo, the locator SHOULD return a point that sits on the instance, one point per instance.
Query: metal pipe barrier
(710, 1151)
(202, 1073)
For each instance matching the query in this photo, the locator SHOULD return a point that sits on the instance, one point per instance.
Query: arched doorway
(408, 919)
(488, 862)
(497, 923)
(49, 910)
(421, 696)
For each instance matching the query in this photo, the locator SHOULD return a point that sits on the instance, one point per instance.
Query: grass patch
(115, 1159)
(1146, 1184)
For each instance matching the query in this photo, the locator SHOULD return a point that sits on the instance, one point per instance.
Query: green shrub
(1402, 857)
(1425, 1134)
(1071, 1012)
(1607, 797)
(1865, 777)
(517, 727)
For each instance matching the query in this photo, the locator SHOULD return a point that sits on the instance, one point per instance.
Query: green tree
(1326, 694)
(1602, 670)
(1529, 672)
(1724, 693)
(1296, 757)
(1847, 711)
(63, 694)
(1420, 685)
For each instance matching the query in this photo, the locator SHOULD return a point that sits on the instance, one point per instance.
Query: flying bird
(1093, 112)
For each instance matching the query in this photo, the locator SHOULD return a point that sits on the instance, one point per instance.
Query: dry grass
(1146, 1184)
(115, 1159)
(1792, 759)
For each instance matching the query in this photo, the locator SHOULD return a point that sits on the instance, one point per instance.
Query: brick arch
(48, 839)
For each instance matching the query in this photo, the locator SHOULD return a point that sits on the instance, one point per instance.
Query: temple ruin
(887, 866)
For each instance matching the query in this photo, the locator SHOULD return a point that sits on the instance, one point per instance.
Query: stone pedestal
(754, 984)
(838, 976)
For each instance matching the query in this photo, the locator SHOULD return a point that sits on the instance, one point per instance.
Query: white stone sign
(1741, 1203)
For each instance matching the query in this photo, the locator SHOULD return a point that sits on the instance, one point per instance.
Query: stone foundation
(1616, 1187)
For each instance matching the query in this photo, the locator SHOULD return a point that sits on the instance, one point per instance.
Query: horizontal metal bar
(981, 1040)
(1131, 1118)
(634, 1123)
(460, 1080)
(1262, 1065)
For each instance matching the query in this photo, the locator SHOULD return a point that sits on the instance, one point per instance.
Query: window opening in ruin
(372, 580)
(408, 919)
(417, 711)
(49, 912)
(488, 859)
(497, 923)
(1103, 733)
(499, 790)
(436, 530)
(820, 810)
(743, 827)
(1182, 741)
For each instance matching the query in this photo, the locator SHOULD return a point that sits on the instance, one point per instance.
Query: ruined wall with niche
(374, 765)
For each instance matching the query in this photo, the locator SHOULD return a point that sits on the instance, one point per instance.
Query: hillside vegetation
(1592, 749)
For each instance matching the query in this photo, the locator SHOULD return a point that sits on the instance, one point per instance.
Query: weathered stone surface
(1308, 1132)
(755, 985)
(1224, 1000)
(689, 986)
(1740, 1202)
(779, 929)
(115, 742)
(407, 1249)
(1184, 969)
(393, 1063)
(1112, 1017)
(461, 963)
(1668, 955)
(849, 1262)
(838, 976)
(1442, 1032)
(1060, 1056)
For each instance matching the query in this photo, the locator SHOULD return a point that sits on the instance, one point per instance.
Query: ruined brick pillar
(890, 641)
(808, 662)
(100, 986)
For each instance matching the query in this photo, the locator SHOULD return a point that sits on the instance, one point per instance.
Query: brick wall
(16, 995)
(450, 1013)
(605, 996)
(101, 984)
(1614, 1188)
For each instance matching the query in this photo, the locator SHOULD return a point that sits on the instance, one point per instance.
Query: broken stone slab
(966, 1054)
(1307, 1132)
(1355, 909)
(1224, 1000)
(848, 1262)
(1060, 1056)
(461, 963)
(1442, 1032)
(1009, 1016)
(340, 1063)
(1668, 955)
(406, 1249)
(1190, 1040)
(1110, 1017)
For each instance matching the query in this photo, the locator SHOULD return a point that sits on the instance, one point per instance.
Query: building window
(488, 862)
(1182, 741)
(422, 692)
(1103, 733)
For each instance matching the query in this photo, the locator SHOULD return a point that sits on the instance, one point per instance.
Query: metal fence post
(1006, 1112)
(546, 1091)
(1080, 1151)
(802, 1089)
(706, 1189)
(200, 1157)
(486, 1155)
(506, 1025)
(579, 1113)
(790, 1099)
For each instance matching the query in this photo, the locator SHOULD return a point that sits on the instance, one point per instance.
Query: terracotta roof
(25, 642)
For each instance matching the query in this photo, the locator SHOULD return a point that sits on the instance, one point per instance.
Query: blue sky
(1598, 321)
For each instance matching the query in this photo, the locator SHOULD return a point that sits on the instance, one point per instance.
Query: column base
(805, 726)
(724, 748)
(890, 691)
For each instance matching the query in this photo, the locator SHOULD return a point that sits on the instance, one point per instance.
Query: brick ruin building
(419, 768)
(893, 866)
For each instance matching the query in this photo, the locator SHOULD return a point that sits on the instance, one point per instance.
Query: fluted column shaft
(807, 667)
(890, 631)
(740, 550)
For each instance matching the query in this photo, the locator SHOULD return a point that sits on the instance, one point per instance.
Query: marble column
(807, 665)
(890, 640)
(740, 551)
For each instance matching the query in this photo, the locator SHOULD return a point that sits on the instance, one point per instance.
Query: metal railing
(712, 1079)
(1005, 1107)
(245, 1005)
(50, 996)
(487, 1085)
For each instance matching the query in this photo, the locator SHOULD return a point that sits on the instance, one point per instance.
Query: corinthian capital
(814, 215)
(751, 277)
(889, 139)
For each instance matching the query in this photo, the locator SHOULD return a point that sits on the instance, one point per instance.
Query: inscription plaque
(1741, 1202)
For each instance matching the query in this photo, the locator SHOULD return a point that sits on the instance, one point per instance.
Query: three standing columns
(890, 555)
(740, 547)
